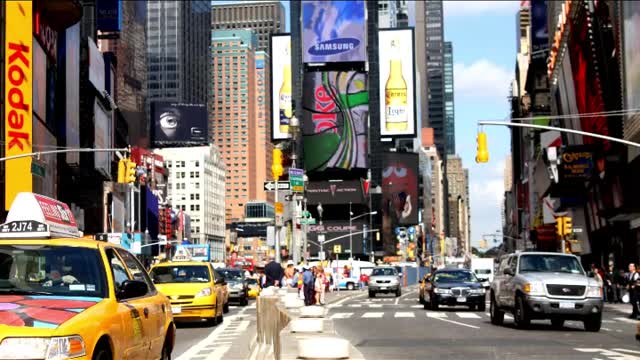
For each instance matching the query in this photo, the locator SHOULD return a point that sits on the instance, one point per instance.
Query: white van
(483, 268)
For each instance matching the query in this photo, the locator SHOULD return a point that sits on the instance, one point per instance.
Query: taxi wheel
(102, 353)
(166, 351)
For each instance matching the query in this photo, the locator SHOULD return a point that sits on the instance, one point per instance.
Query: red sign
(148, 159)
(55, 211)
(46, 35)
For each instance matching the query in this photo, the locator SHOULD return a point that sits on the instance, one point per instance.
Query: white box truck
(484, 269)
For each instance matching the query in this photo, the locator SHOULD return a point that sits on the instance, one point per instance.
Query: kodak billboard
(18, 83)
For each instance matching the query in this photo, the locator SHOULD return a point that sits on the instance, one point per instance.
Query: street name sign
(296, 179)
(271, 185)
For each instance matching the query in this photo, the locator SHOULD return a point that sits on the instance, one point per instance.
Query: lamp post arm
(361, 215)
(61, 151)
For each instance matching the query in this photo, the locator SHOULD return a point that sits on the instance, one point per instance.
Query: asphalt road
(399, 328)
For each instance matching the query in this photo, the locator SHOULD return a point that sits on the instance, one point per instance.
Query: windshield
(180, 274)
(384, 272)
(51, 270)
(231, 275)
(550, 263)
(455, 276)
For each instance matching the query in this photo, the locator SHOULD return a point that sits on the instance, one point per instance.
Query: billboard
(72, 91)
(281, 106)
(18, 90)
(39, 69)
(400, 188)
(397, 82)
(102, 138)
(335, 192)
(96, 67)
(333, 31)
(176, 124)
(108, 15)
(631, 53)
(332, 229)
(335, 120)
(539, 31)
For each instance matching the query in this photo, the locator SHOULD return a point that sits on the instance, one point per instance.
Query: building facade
(387, 14)
(233, 123)
(178, 41)
(458, 201)
(449, 109)
(434, 34)
(263, 17)
(196, 185)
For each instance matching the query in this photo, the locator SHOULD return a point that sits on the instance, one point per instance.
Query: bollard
(306, 325)
(323, 348)
(313, 312)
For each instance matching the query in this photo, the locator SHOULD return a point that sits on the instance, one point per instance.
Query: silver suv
(539, 285)
(384, 279)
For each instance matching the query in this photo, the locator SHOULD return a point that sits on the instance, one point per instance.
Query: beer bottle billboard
(396, 119)
(286, 111)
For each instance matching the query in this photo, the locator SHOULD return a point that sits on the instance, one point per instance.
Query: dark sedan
(454, 287)
(238, 285)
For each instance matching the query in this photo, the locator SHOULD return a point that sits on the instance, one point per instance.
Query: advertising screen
(631, 11)
(281, 106)
(539, 32)
(335, 192)
(400, 188)
(176, 124)
(18, 92)
(39, 82)
(102, 138)
(72, 90)
(336, 234)
(109, 15)
(334, 120)
(333, 31)
(397, 89)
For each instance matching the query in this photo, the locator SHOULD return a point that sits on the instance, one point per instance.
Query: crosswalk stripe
(355, 305)
(373, 315)
(401, 314)
(375, 305)
(333, 306)
(341, 315)
(436, 315)
(467, 315)
(416, 306)
(630, 321)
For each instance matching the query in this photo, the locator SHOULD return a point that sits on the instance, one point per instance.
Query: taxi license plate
(567, 305)
(461, 299)
(176, 309)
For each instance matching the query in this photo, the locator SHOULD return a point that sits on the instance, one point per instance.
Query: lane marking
(405, 314)
(457, 323)
(417, 306)
(341, 315)
(372, 315)
(355, 305)
(218, 353)
(606, 329)
(629, 321)
(243, 326)
(608, 321)
(375, 305)
(467, 315)
(436, 315)
(627, 350)
(211, 338)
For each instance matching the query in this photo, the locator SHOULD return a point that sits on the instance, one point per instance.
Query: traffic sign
(279, 208)
(271, 185)
(307, 221)
(337, 248)
(296, 179)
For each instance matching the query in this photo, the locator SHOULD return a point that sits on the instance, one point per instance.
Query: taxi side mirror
(131, 289)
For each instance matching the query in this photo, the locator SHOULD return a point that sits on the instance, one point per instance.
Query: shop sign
(576, 165)
(563, 24)
(46, 36)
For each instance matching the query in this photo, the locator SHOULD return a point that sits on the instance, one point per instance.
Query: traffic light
(567, 226)
(276, 166)
(130, 174)
(122, 165)
(560, 226)
(482, 155)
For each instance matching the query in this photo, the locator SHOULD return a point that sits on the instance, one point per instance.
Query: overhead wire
(574, 116)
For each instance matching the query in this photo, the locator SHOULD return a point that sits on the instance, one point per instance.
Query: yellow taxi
(254, 287)
(195, 289)
(65, 297)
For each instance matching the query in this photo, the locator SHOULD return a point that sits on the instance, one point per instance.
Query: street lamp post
(320, 210)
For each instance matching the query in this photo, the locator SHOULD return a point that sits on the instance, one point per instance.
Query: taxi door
(134, 334)
(155, 303)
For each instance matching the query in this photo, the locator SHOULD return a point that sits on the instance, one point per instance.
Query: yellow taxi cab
(423, 287)
(67, 297)
(195, 289)
(254, 287)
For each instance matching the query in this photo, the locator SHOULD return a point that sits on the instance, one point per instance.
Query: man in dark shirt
(274, 273)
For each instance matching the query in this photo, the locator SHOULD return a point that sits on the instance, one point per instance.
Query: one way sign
(271, 185)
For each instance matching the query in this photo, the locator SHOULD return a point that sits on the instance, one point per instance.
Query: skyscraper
(387, 14)
(458, 201)
(263, 17)
(178, 41)
(232, 115)
(403, 11)
(435, 72)
(449, 111)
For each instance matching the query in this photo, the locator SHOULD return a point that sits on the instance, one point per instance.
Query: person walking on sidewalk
(632, 284)
(320, 285)
(308, 283)
(273, 272)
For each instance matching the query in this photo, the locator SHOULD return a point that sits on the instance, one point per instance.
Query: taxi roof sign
(37, 216)
(181, 254)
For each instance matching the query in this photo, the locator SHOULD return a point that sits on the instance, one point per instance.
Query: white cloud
(482, 79)
(475, 8)
(487, 193)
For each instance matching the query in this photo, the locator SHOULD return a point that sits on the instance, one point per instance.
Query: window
(117, 269)
(135, 268)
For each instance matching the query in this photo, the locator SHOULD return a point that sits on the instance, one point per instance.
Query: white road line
(406, 314)
(243, 326)
(488, 314)
(457, 323)
(210, 339)
(608, 321)
(341, 315)
(397, 299)
(375, 305)
(355, 305)
(372, 315)
(606, 329)
(334, 306)
(417, 306)
(630, 321)
(627, 351)
(467, 315)
(218, 353)
(436, 315)
(407, 293)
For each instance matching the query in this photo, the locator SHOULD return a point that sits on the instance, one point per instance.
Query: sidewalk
(622, 308)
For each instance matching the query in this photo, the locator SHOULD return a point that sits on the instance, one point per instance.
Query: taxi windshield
(51, 270)
(180, 274)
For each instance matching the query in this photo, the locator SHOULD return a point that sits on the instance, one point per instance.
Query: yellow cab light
(34, 216)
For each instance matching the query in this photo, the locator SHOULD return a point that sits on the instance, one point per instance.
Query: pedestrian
(598, 277)
(307, 284)
(620, 284)
(632, 281)
(610, 288)
(320, 285)
(273, 272)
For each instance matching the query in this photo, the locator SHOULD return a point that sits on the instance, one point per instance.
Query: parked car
(454, 287)
(539, 285)
(384, 279)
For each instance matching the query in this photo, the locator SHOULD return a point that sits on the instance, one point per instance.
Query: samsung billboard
(281, 105)
(177, 124)
(397, 83)
(334, 31)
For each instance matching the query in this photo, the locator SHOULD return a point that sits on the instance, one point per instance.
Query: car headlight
(442, 291)
(594, 292)
(477, 291)
(204, 292)
(533, 288)
(57, 348)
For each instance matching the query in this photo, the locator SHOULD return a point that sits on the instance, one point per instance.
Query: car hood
(45, 312)
(449, 285)
(184, 289)
(382, 277)
(559, 278)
